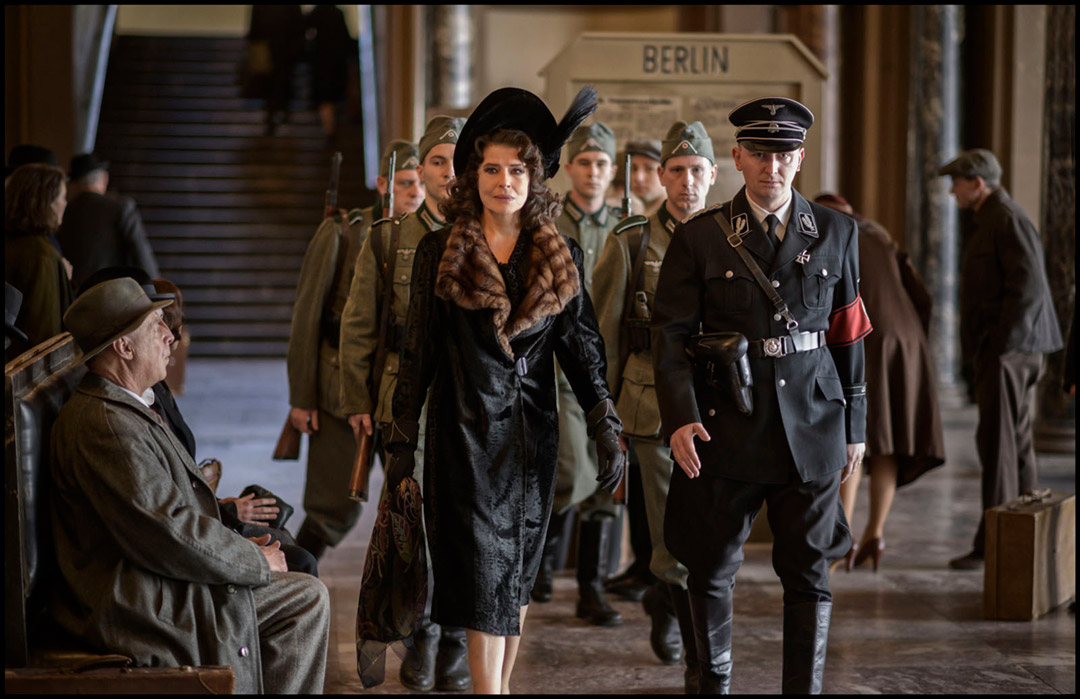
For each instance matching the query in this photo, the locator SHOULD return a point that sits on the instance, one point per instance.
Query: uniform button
(729, 274)
(590, 251)
(404, 278)
(244, 652)
(194, 485)
(776, 316)
(231, 589)
(775, 283)
(712, 412)
(824, 272)
(783, 383)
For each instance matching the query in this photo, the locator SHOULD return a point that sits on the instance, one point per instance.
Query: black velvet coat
(492, 427)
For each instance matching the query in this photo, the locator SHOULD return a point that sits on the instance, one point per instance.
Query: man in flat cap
(99, 229)
(312, 361)
(586, 217)
(625, 287)
(370, 344)
(1007, 324)
(773, 278)
(148, 569)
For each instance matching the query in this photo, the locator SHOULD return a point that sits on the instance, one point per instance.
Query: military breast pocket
(820, 276)
(729, 287)
(638, 406)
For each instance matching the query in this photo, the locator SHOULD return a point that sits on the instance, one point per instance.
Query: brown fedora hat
(108, 311)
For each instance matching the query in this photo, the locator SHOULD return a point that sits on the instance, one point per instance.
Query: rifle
(626, 205)
(361, 470)
(288, 444)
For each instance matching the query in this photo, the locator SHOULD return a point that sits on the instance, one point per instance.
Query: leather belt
(787, 344)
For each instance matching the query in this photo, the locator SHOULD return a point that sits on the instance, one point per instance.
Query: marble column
(453, 68)
(932, 235)
(1055, 426)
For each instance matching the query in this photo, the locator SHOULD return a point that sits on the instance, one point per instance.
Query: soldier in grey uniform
(313, 366)
(438, 658)
(644, 178)
(774, 273)
(625, 286)
(586, 217)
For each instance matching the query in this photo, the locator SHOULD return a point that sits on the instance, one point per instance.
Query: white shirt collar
(147, 398)
(783, 214)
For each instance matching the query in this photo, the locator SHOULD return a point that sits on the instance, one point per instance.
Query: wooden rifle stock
(619, 496)
(288, 444)
(361, 469)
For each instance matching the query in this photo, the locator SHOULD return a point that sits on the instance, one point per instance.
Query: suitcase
(210, 679)
(1030, 565)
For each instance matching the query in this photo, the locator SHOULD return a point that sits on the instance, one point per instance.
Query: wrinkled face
(437, 171)
(966, 190)
(645, 178)
(60, 204)
(687, 179)
(503, 180)
(768, 176)
(590, 174)
(150, 345)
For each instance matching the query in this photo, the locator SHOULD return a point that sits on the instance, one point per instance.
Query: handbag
(285, 510)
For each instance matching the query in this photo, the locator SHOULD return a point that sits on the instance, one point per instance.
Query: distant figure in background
(904, 438)
(331, 46)
(34, 203)
(276, 35)
(101, 230)
(26, 153)
(645, 175)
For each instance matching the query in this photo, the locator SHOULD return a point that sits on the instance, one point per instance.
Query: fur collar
(469, 276)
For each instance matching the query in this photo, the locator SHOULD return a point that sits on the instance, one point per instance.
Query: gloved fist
(400, 464)
(605, 427)
(611, 457)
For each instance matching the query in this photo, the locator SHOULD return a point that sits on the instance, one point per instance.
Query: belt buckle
(774, 347)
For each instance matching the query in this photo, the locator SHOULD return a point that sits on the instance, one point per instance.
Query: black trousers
(709, 518)
(1005, 396)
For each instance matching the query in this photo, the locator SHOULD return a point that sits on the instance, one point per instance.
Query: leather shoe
(418, 665)
(452, 661)
(664, 634)
(630, 585)
(969, 561)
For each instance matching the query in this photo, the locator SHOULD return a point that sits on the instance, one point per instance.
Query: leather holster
(723, 356)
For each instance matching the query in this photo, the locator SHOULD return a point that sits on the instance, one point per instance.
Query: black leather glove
(605, 427)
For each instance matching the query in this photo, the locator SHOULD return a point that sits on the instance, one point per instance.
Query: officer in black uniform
(804, 322)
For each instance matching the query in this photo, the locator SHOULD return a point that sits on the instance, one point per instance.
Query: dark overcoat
(492, 426)
(807, 406)
(101, 231)
(35, 267)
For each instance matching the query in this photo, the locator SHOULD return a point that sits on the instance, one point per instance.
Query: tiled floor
(914, 627)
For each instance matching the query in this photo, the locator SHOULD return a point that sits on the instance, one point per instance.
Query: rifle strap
(636, 277)
(387, 265)
(339, 264)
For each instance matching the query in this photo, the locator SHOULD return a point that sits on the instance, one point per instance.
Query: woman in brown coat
(35, 197)
(903, 424)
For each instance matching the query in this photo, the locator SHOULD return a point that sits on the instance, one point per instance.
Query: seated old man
(148, 569)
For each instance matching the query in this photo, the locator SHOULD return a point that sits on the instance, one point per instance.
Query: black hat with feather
(521, 110)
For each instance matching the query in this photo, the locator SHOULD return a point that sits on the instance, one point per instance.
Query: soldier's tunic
(314, 373)
(575, 480)
(633, 383)
(807, 405)
(363, 310)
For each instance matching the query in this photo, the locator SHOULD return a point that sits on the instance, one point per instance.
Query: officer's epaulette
(387, 219)
(703, 212)
(355, 216)
(630, 222)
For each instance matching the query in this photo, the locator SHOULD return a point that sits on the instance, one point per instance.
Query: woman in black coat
(497, 296)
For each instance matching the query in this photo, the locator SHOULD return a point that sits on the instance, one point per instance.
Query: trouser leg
(595, 536)
(656, 470)
(293, 613)
(1004, 394)
(329, 512)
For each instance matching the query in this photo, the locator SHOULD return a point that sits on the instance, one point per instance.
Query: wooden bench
(37, 656)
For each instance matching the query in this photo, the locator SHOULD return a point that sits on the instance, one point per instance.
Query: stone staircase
(229, 211)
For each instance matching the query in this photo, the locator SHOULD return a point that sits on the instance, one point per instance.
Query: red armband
(848, 325)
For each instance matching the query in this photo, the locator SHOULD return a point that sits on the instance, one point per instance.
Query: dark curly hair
(28, 197)
(541, 205)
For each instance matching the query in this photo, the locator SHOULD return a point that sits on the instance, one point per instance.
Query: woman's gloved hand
(605, 427)
(401, 462)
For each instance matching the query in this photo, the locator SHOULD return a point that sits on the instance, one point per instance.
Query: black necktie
(771, 224)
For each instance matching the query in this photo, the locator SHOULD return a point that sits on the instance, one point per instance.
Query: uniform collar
(666, 219)
(428, 218)
(577, 213)
(783, 213)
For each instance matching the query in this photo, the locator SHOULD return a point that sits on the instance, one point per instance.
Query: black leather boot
(681, 602)
(664, 633)
(307, 539)
(595, 534)
(545, 577)
(806, 638)
(452, 661)
(418, 664)
(712, 633)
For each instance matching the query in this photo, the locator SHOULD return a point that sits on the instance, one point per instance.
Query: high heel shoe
(852, 554)
(873, 548)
